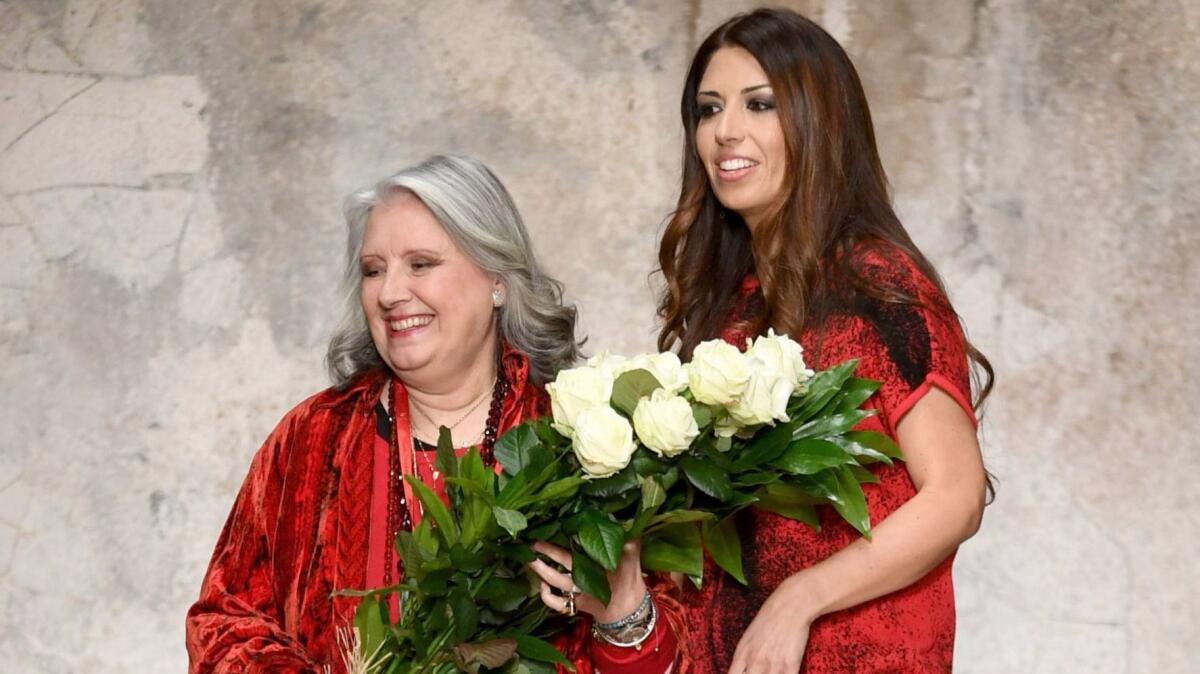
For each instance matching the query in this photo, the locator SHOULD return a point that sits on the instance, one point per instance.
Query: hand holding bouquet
(642, 448)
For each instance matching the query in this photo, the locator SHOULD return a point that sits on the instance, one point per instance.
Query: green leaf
(812, 455)
(602, 539)
(435, 509)
(876, 441)
(854, 393)
(630, 387)
(463, 560)
(590, 576)
(862, 475)
(513, 448)
(839, 487)
(436, 582)
(861, 453)
(756, 478)
(544, 428)
(644, 462)
(537, 667)
(446, 460)
(410, 556)
(852, 504)
(516, 493)
(800, 491)
(473, 488)
(821, 388)
(722, 542)
(504, 594)
(801, 509)
(543, 531)
(764, 448)
(559, 489)
(426, 540)
(512, 521)
(640, 521)
(707, 477)
(831, 425)
(653, 494)
(371, 619)
(471, 468)
(608, 487)
(536, 649)
(466, 615)
(680, 516)
(702, 414)
(518, 552)
(674, 548)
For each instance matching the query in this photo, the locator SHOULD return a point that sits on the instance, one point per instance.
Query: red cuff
(943, 383)
(656, 654)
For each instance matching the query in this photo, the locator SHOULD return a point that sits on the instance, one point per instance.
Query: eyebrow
(744, 91)
(414, 251)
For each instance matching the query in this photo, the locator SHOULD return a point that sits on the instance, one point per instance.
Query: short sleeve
(909, 348)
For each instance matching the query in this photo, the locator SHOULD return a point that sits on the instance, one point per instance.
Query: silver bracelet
(638, 614)
(630, 636)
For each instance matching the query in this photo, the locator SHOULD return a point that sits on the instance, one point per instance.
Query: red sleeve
(235, 625)
(909, 348)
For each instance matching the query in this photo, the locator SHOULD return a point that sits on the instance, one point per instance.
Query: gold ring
(570, 608)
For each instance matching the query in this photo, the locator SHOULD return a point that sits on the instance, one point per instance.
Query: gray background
(170, 174)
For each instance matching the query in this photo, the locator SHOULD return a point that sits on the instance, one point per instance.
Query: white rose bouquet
(644, 447)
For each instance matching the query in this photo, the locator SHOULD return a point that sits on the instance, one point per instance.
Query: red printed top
(908, 349)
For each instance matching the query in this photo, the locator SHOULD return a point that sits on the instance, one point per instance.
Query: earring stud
(497, 298)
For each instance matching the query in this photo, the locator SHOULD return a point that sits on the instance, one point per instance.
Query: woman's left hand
(774, 642)
(626, 582)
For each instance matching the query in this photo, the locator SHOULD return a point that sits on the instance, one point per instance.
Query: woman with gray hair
(449, 322)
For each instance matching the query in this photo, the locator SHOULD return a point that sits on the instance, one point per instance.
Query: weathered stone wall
(170, 175)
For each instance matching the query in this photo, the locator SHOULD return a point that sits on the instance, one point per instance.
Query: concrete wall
(170, 174)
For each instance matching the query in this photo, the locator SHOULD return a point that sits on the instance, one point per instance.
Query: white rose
(766, 396)
(725, 426)
(664, 423)
(603, 441)
(718, 373)
(665, 367)
(784, 354)
(576, 390)
(611, 363)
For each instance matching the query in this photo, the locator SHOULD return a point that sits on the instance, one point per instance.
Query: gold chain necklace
(484, 396)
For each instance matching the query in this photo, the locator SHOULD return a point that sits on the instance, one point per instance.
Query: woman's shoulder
(335, 400)
(891, 268)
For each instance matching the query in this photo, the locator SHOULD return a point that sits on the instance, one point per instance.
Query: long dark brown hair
(835, 201)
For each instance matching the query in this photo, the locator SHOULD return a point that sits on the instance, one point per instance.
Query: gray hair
(479, 215)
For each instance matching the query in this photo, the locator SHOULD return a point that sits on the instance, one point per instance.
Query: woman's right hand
(627, 584)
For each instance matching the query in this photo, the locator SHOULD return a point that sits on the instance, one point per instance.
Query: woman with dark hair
(784, 221)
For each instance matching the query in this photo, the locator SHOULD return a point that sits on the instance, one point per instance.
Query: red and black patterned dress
(908, 349)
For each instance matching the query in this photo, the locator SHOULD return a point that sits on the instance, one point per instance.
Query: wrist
(623, 602)
(633, 630)
(805, 596)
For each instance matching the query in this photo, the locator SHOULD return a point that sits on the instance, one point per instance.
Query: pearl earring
(497, 298)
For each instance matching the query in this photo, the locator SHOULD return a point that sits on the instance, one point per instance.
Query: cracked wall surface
(170, 241)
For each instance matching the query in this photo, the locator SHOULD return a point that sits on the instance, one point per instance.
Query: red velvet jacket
(299, 530)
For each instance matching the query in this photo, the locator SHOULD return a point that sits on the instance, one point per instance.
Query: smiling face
(428, 305)
(739, 138)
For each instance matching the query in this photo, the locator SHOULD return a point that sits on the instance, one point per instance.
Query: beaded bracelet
(637, 615)
(634, 634)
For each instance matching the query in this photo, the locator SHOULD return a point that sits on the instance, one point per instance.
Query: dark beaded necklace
(399, 516)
